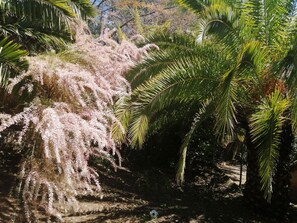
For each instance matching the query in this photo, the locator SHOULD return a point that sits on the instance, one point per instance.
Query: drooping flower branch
(69, 119)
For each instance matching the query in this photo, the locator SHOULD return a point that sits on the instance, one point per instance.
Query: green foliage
(203, 113)
(35, 25)
(39, 25)
(137, 20)
(266, 124)
(195, 5)
(82, 8)
(10, 60)
(184, 80)
(242, 60)
(257, 34)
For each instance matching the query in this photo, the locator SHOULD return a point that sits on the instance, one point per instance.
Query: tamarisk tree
(68, 121)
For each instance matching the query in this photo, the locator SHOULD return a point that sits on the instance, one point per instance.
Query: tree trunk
(253, 194)
(281, 179)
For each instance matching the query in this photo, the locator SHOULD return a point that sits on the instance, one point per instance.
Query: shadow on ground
(210, 197)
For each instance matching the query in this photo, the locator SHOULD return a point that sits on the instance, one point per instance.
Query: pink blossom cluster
(70, 119)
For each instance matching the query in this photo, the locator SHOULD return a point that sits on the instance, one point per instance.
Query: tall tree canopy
(141, 17)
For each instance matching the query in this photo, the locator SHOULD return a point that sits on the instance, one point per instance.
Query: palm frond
(172, 41)
(138, 129)
(204, 112)
(287, 69)
(183, 71)
(194, 5)
(225, 110)
(122, 112)
(179, 82)
(252, 55)
(11, 61)
(262, 19)
(82, 8)
(42, 39)
(175, 49)
(43, 24)
(287, 32)
(218, 19)
(48, 12)
(266, 125)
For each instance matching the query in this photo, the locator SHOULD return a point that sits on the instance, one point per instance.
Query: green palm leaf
(122, 111)
(82, 8)
(175, 48)
(218, 19)
(41, 24)
(225, 110)
(204, 112)
(180, 82)
(11, 61)
(194, 5)
(266, 126)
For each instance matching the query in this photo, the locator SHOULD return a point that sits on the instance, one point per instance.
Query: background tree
(242, 74)
(150, 15)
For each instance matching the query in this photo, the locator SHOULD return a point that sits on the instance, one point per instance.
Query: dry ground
(208, 196)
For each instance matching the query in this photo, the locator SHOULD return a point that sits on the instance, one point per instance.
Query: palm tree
(39, 25)
(242, 72)
(34, 26)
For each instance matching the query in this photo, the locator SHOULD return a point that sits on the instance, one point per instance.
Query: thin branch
(144, 15)
(98, 6)
(105, 10)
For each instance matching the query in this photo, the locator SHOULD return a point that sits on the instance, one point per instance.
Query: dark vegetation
(208, 195)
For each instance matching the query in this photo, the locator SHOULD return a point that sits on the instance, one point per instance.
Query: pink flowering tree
(69, 120)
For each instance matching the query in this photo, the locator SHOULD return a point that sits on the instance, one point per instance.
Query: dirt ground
(210, 195)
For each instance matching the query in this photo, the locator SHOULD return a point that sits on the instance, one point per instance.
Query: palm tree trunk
(252, 191)
(253, 194)
(281, 180)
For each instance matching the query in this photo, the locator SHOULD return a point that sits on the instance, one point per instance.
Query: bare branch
(144, 15)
